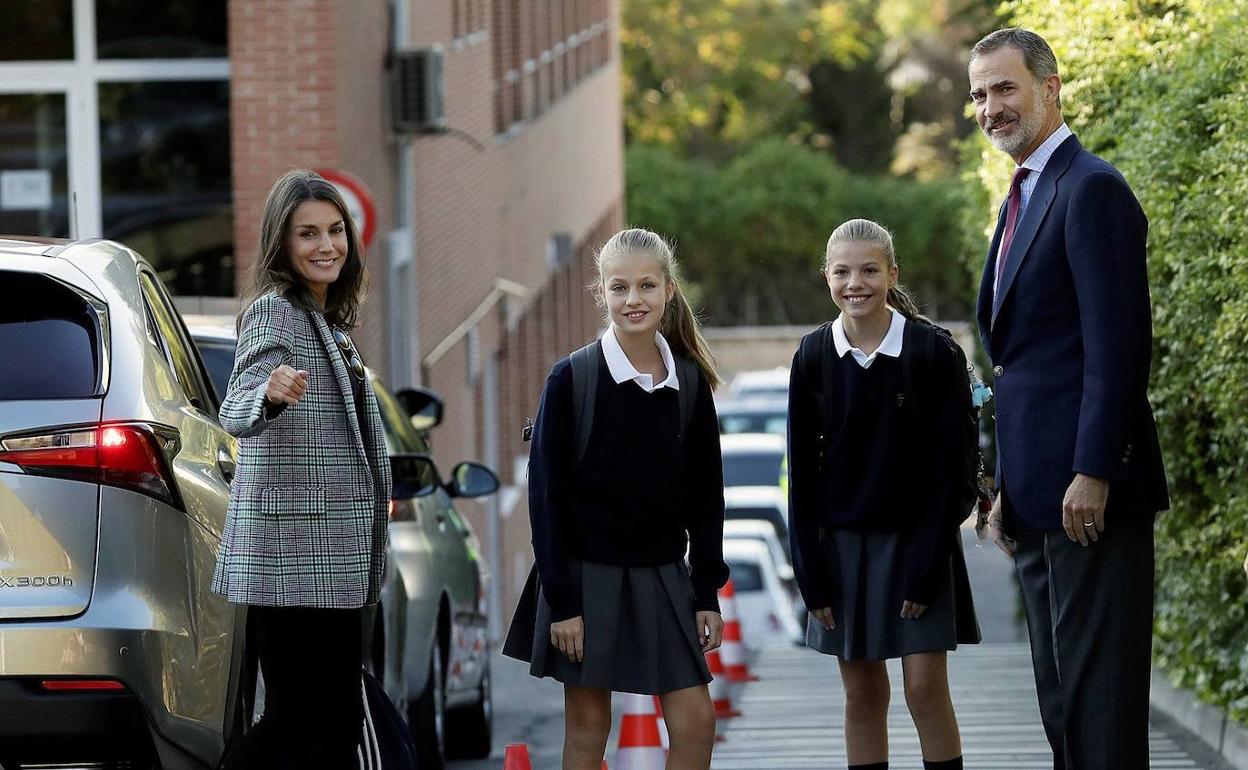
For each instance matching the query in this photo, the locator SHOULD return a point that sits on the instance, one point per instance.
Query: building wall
(535, 149)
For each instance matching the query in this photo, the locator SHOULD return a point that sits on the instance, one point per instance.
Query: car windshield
(754, 422)
(218, 358)
(752, 469)
(747, 576)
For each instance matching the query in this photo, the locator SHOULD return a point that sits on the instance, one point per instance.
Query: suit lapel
(341, 375)
(1037, 207)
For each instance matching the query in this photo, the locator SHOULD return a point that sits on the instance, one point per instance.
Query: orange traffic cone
(516, 757)
(641, 743)
(720, 697)
(664, 740)
(735, 664)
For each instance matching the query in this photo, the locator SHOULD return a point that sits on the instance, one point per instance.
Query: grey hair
(866, 231)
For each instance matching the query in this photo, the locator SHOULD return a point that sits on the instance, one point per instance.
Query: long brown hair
(273, 271)
(864, 230)
(679, 325)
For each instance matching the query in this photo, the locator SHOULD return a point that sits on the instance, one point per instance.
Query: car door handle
(226, 464)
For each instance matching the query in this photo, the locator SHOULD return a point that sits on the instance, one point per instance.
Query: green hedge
(1160, 88)
(751, 231)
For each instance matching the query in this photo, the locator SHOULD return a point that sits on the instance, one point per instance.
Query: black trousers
(313, 708)
(1090, 620)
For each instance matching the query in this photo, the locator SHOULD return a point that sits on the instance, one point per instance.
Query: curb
(1226, 739)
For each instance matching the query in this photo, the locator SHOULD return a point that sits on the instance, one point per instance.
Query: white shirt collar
(889, 346)
(622, 370)
(1036, 161)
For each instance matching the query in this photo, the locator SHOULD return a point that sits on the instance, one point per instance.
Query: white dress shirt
(1036, 162)
(889, 346)
(622, 370)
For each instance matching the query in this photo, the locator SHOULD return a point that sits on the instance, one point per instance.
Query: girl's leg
(927, 696)
(690, 719)
(866, 711)
(586, 726)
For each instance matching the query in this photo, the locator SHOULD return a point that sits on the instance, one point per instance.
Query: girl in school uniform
(615, 608)
(874, 500)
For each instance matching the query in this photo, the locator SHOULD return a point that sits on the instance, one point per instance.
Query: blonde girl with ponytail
(876, 410)
(611, 605)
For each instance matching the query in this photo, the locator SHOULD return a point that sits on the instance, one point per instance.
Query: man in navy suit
(1064, 315)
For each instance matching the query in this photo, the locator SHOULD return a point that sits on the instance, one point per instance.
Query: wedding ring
(1089, 523)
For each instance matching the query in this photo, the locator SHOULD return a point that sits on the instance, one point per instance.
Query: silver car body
(107, 582)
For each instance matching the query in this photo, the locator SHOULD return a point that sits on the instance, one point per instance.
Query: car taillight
(135, 456)
(82, 685)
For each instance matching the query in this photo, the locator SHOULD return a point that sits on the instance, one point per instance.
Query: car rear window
(755, 422)
(218, 356)
(752, 469)
(49, 337)
(746, 576)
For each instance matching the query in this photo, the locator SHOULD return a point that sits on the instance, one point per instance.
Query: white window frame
(79, 81)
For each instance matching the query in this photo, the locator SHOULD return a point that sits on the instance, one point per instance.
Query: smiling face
(317, 245)
(859, 278)
(636, 292)
(1014, 110)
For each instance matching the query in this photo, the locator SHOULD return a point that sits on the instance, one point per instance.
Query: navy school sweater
(861, 459)
(640, 496)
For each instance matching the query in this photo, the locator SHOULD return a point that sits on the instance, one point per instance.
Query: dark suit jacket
(1070, 337)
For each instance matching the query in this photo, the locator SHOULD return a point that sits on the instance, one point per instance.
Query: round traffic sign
(358, 199)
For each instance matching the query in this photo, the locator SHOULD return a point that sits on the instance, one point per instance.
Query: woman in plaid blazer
(304, 541)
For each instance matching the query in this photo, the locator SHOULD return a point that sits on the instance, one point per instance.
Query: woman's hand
(911, 609)
(710, 627)
(824, 616)
(286, 386)
(568, 636)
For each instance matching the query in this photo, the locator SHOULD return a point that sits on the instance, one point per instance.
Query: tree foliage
(1160, 88)
(751, 232)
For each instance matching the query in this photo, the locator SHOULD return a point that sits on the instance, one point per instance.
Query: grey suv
(114, 481)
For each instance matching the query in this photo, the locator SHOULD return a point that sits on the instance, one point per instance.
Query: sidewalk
(793, 716)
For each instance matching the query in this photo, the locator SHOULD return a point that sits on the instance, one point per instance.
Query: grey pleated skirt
(640, 634)
(869, 567)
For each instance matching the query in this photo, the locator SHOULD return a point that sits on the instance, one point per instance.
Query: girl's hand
(568, 636)
(824, 616)
(710, 627)
(911, 609)
(286, 386)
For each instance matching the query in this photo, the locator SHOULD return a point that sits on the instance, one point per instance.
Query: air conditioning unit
(417, 88)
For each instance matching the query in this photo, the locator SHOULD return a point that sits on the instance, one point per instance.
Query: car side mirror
(423, 407)
(469, 479)
(414, 475)
(785, 573)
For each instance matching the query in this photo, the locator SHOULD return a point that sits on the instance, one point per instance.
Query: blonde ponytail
(679, 325)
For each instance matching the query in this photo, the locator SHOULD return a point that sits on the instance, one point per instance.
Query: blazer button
(997, 371)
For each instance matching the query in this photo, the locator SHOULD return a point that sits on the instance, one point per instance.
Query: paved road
(792, 716)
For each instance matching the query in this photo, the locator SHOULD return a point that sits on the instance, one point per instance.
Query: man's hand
(1083, 509)
(568, 636)
(824, 616)
(996, 528)
(286, 386)
(710, 627)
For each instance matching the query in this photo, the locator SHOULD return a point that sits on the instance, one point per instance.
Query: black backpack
(585, 391)
(917, 362)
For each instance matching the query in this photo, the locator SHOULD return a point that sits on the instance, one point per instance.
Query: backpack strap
(827, 373)
(584, 392)
(918, 358)
(688, 375)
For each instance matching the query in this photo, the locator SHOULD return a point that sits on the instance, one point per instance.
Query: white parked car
(763, 604)
(752, 459)
(764, 532)
(754, 414)
(762, 382)
(760, 504)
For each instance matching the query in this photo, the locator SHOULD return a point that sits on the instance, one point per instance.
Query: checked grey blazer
(309, 504)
